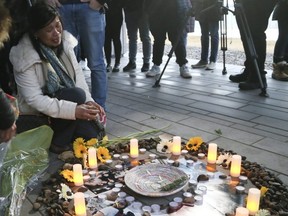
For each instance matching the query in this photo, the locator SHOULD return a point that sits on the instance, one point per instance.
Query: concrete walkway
(250, 125)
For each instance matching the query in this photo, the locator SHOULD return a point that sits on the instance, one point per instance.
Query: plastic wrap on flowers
(25, 160)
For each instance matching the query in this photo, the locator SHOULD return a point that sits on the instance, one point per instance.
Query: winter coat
(31, 74)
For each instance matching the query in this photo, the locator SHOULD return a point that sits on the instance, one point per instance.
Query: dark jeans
(257, 13)
(159, 28)
(66, 131)
(209, 29)
(137, 20)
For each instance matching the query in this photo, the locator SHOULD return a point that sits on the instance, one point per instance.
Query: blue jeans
(134, 21)
(209, 29)
(89, 25)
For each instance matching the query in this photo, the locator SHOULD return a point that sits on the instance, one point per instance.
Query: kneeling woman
(50, 81)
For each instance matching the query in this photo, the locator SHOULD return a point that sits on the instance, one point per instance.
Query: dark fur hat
(5, 23)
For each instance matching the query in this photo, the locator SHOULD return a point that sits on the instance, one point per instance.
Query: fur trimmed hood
(5, 23)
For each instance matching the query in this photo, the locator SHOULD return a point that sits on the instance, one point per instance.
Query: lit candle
(77, 175)
(212, 153)
(176, 148)
(241, 211)
(235, 166)
(253, 200)
(79, 204)
(134, 152)
(92, 158)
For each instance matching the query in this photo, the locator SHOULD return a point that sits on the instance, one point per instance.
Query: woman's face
(51, 34)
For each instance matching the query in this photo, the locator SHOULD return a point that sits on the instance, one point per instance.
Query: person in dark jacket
(257, 13)
(280, 58)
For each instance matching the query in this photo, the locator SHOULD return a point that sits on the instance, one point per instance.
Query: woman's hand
(6, 135)
(86, 112)
(101, 114)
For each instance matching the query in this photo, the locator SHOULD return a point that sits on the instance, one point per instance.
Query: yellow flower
(67, 174)
(77, 142)
(92, 142)
(103, 154)
(79, 151)
(263, 191)
(194, 143)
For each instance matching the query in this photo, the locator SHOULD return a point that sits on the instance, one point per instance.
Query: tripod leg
(223, 32)
(248, 43)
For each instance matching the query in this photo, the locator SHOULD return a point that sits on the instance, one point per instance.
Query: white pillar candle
(79, 204)
(212, 153)
(253, 200)
(77, 175)
(241, 211)
(235, 168)
(92, 157)
(134, 152)
(176, 148)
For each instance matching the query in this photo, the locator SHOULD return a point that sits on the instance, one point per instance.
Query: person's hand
(6, 135)
(86, 112)
(101, 114)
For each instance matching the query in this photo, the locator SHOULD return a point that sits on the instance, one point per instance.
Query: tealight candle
(253, 200)
(142, 150)
(134, 152)
(79, 204)
(176, 147)
(116, 156)
(241, 211)
(92, 158)
(212, 153)
(124, 157)
(201, 155)
(77, 175)
(118, 167)
(184, 152)
(235, 166)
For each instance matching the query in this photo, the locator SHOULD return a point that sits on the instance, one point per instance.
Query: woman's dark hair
(39, 16)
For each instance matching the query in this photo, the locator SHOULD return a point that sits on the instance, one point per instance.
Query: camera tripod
(246, 37)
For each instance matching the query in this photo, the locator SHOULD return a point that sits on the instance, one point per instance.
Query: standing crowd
(45, 49)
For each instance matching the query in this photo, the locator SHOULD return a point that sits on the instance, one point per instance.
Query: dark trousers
(257, 13)
(173, 27)
(281, 46)
(66, 131)
(112, 34)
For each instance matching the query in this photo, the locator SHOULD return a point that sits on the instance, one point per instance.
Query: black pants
(171, 25)
(112, 34)
(257, 13)
(66, 131)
